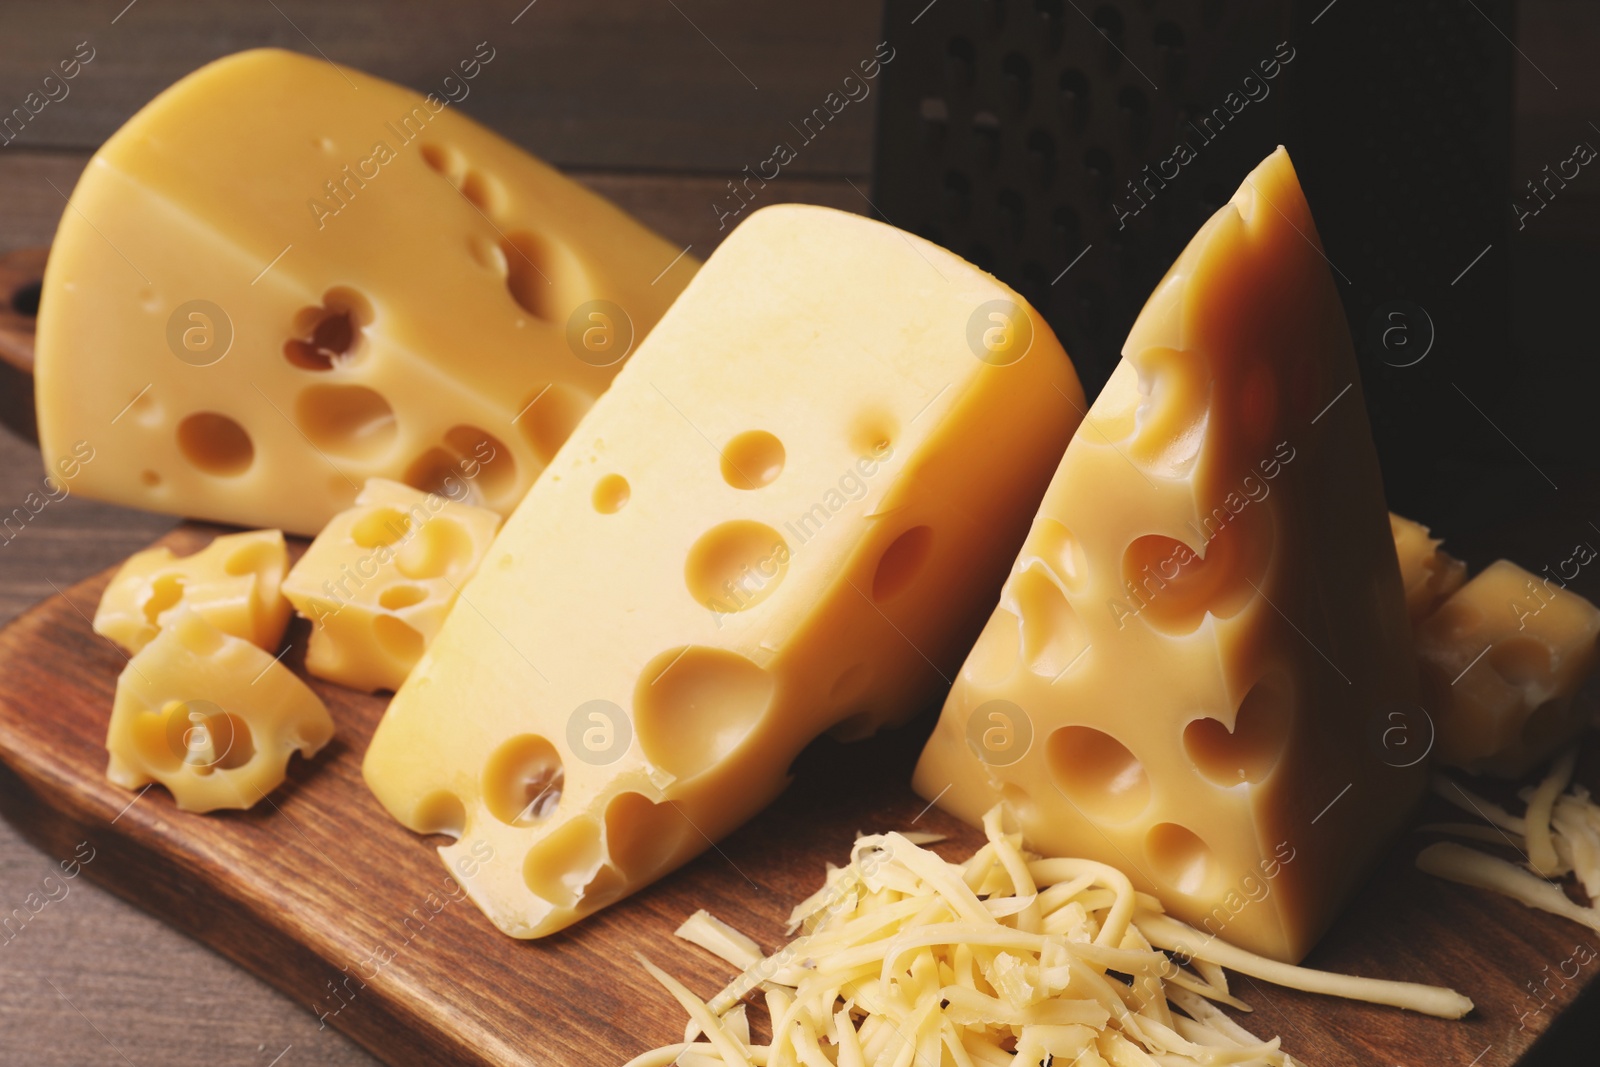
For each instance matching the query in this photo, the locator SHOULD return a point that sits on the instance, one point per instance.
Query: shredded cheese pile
(1006, 960)
(1558, 835)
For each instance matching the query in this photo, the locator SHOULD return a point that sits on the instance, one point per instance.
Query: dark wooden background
(655, 103)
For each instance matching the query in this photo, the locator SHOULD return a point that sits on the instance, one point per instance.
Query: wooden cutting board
(322, 894)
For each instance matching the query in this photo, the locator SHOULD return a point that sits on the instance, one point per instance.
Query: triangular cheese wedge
(788, 515)
(1200, 670)
(283, 277)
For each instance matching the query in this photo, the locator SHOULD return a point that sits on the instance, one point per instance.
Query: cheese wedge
(379, 579)
(1190, 665)
(786, 516)
(283, 277)
(211, 717)
(235, 583)
(1506, 657)
(1428, 574)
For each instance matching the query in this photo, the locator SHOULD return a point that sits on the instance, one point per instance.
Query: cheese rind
(1505, 657)
(282, 277)
(235, 583)
(785, 517)
(1428, 574)
(211, 717)
(1206, 624)
(379, 579)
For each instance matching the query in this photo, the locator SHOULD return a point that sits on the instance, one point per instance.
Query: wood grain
(309, 889)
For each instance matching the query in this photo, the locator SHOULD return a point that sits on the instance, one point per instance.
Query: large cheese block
(788, 515)
(283, 277)
(1505, 658)
(1192, 668)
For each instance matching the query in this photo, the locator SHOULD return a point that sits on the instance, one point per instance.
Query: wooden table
(653, 103)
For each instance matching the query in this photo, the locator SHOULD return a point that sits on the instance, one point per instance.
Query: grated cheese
(1006, 960)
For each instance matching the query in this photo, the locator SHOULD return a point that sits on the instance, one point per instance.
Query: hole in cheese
(435, 471)
(530, 275)
(736, 565)
(398, 638)
(850, 685)
(444, 160)
(325, 335)
(440, 812)
(379, 527)
(352, 421)
(872, 433)
(549, 415)
(1018, 803)
(752, 460)
(252, 558)
(215, 444)
(693, 707)
(1173, 587)
(1521, 661)
(1181, 859)
(440, 547)
(643, 836)
(1098, 774)
(165, 591)
(901, 562)
(1250, 751)
(401, 596)
(1053, 544)
(611, 494)
(482, 191)
(484, 460)
(1053, 637)
(149, 478)
(562, 866)
(523, 780)
(1171, 418)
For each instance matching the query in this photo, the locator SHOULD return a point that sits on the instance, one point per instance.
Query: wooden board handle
(21, 273)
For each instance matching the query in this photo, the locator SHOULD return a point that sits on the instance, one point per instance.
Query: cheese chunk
(786, 516)
(283, 277)
(1505, 656)
(234, 583)
(211, 717)
(379, 579)
(1206, 620)
(1428, 574)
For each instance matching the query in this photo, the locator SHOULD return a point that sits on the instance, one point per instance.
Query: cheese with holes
(1506, 657)
(378, 580)
(787, 516)
(1206, 623)
(283, 277)
(211, 717)
(235, 583)
(1428, 574)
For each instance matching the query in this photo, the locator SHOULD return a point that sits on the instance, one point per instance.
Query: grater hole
(1041, 158)
(1073, 90)
(986, 137)
(1018, 81)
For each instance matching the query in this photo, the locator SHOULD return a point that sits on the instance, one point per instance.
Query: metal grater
(1010, 131)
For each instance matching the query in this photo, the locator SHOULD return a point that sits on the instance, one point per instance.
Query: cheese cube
(211, 717)
(1428, 574)
(1506, 655)
(234, 583)
(1206, 624)
(283, 277)
(785, 517)
(379, 579)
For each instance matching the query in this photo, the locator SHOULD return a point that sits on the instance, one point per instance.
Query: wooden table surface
(655, 103)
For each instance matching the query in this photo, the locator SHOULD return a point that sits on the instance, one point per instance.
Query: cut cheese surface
(1428, 574)
(1504, 659)
(211, 717)
(234, 583)
(283, 277)
(787, 516)
(379, 579)
(1190, 667)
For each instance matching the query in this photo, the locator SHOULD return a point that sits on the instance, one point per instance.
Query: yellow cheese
(786, 516)
(234, 583)
(379, 579)
(211, 717)
(283, 277)
(1428, 574)
(1206, 624)
(1504, 658)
